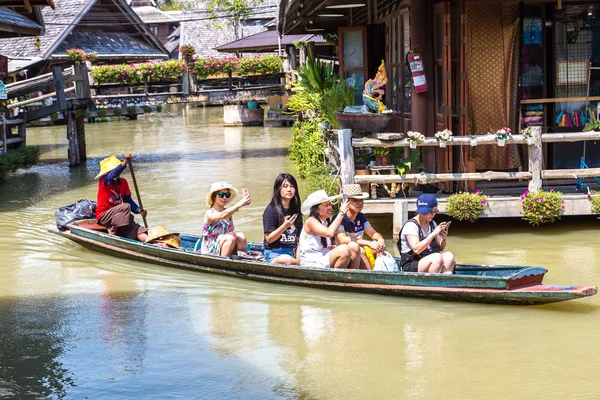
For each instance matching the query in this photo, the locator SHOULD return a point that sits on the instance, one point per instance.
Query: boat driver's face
(356, 205)
(287, 190)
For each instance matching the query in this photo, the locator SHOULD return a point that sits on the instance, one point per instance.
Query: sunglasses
(224, 194)
(434, 211)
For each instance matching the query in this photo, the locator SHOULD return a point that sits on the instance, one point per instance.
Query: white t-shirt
(412, 228)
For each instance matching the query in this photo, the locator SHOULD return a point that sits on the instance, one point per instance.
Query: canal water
(77, 324)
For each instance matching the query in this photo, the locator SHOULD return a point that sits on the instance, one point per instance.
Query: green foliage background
(18, 159)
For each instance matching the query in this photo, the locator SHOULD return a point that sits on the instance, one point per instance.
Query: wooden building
(107, 27)
(488, 64)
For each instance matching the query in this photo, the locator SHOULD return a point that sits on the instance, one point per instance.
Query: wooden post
(230, 81)
(59, 82)
(80, 127)
(185, 84)
(3, 127)
(400, 216)
(535, 160)
(22, 128)
(82, 82)
(73, 149)
(346, 155)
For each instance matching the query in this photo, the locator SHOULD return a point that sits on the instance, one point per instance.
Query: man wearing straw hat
(114, 202)
(355, 225)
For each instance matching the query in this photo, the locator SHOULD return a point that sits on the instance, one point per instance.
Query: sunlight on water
(75, 323)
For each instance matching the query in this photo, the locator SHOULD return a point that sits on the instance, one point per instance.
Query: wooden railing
(535, 173)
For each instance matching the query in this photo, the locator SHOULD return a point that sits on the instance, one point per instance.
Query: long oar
(137, 191)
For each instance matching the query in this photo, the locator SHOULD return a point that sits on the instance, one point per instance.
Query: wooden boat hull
(471, 283)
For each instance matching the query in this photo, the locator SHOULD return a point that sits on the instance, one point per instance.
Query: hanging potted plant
(465, 206)
(528, 135)
(502, 135)
(444, 137)
(414, 138)
(542, 206)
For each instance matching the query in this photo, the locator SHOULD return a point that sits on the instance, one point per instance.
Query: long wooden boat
(471, 283)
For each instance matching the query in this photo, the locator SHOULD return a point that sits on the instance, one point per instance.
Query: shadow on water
(54, 176)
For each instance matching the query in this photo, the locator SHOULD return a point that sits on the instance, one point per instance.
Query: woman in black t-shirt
(282, 222)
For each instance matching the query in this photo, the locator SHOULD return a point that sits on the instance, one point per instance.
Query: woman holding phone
(422, 241)
(219, 236)
(282, 222)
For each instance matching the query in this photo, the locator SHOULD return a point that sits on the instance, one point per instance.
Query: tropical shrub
(411, 162)
(131, 110)
(322, 179)
(594, 196)
(307, 150)
(159, 108)
(316, 76)
(117, 112)
(465, 206)
(335, 99)
(17, 159)
(306, 102)
(542, 206)
(101, 112)
(147, 109)
(91, 57)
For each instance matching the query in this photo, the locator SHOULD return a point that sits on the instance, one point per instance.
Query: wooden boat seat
(94, 227)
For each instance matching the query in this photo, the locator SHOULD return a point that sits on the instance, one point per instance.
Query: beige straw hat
(216, 186)
(107, 165)
(354, 191)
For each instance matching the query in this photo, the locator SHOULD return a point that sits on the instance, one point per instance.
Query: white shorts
(315, 260)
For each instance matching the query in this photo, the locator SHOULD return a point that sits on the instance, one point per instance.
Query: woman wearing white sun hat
(315, 245)
(219, 236)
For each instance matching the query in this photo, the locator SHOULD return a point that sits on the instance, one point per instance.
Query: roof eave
(21, 30)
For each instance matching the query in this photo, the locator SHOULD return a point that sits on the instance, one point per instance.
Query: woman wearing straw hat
(219, 236)
(422, 241)
(315, 245)
(355, 225)
(114, 202)
(160, 236)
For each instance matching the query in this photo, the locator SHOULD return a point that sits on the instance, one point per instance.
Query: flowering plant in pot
(414, 138)
(528, 135)
(465, 206)
(502, 135)
(443, 137)
(542, 206)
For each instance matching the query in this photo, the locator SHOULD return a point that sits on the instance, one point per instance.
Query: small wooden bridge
(73, 82)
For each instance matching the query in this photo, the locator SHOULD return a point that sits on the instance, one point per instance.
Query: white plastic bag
(385, 262)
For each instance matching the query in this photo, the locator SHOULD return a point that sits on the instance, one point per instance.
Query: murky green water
(77, 324)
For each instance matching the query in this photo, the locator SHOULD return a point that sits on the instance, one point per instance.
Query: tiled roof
(60, 23)
(152, 15)
(10, 17)
(107, 44)
(266, 41)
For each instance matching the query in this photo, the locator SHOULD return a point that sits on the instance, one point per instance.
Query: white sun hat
(318, 197)
(216, 186)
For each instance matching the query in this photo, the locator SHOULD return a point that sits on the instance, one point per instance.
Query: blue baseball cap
(425, 203)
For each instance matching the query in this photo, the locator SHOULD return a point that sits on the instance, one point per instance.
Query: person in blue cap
(422, 241)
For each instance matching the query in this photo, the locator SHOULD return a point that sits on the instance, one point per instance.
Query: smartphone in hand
(245, 192)
(344, 197)
(448, 225)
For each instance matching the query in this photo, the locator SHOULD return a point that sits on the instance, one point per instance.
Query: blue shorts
(271, 254)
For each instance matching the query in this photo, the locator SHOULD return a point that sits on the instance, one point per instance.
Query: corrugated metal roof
(266, 40)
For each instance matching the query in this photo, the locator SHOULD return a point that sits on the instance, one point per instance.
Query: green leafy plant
(410, 162)
(159, 108)
(542, 206)
(322, 179)
(594, 197)
(101, 112)
(300, 44)
(307, 150)
(131, 110)
(117, 112)
(465, 206)
(75, 56)
(316, 76)
(188, 52)
(381, 151)
(265, 64)
(335, 99)
(592, 126)
(53, 118)
(91, 57)
(147, 109)
(12, 161)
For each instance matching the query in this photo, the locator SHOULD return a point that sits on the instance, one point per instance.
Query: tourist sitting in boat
(282, 222)
(219, 236)
(422, 241)
(354, 225)
(315, 246)
(161, 237)
(114, 203)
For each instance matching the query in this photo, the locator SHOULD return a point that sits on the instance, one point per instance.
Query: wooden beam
(570, 173)
(28, 6)
(559, 100)
(424, 178)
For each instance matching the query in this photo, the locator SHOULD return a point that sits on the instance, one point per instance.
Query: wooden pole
(535, 160)
(4, 144)
(400, 216)
(59, 83)
(73, 149)
(346, 155)
(137, 191)
(80, 128)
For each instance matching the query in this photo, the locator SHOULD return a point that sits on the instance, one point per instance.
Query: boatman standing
(114, 202)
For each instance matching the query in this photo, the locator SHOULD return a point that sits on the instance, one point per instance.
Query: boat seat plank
(95, 227)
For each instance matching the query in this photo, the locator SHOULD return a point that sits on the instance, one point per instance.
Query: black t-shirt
(271, 223)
